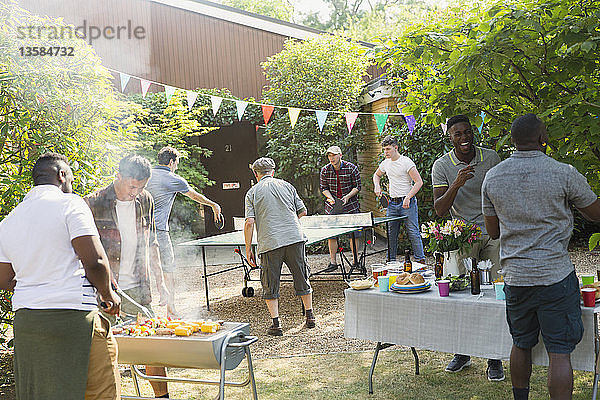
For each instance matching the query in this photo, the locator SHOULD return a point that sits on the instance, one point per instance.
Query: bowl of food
(458, 282)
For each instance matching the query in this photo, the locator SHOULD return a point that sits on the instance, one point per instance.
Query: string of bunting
(267, 109)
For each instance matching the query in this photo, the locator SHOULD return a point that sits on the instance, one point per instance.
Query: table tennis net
(324, 221)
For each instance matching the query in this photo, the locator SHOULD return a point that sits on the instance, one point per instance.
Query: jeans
(411, 223)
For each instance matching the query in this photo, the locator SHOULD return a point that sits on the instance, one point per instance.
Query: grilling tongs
(144, 309)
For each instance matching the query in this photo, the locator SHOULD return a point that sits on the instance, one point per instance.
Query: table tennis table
(316, 228)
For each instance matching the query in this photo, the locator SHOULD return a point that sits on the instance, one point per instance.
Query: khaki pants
(104, 379)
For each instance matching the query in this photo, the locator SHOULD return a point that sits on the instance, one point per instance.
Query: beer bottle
(439, 265)
(475, 277)
(407, 262)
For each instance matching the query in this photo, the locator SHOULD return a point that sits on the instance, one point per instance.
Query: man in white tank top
(402, 173)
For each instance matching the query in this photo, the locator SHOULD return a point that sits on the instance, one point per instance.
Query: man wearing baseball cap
(339, 181)
(275, 207)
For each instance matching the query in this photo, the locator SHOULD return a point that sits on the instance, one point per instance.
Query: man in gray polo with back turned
(527, 203)
(275, 207)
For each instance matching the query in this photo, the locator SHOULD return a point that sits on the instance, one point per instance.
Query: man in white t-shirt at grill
(404, 183)
(52, 258)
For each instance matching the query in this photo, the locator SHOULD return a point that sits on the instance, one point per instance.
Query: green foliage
(367, 20)
(160, 124)
(323, 73)
(425, 145)
(61, 104)
(507, 59)
(279, 9)
(594, 240)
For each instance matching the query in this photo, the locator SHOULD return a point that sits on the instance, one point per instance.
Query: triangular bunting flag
(293, 113)
(410, 122)
(445, 126)
(267, 111)
(169, 91)
(350, 119)
(380, 120)
(241, 107)
(124, 80)
(216, 104)
(321, 117)
(145, 85)
(191, 99)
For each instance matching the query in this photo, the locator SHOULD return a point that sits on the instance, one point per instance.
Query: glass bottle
(439, 265)
(475, 277)
(407, 262)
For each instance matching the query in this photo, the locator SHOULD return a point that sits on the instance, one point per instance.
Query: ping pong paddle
(338, 207)
(384, 200)
(220, 222)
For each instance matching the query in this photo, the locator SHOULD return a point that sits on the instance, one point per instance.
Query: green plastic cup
(587, 279)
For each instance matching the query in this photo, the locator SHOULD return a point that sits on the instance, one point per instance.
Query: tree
(367, 20)
(324, 73)
(280, 9)
(59, 103)
(507, 59)
(160, 124)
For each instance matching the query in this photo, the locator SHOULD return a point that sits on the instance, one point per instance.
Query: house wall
(181, 48)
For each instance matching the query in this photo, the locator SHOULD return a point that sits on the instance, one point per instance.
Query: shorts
(271, 262)
(104, 379)
(554, 310)
(165, 247)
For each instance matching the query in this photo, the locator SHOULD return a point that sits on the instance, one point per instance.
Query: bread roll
(403, 281)
(416, 278)
(403, 275)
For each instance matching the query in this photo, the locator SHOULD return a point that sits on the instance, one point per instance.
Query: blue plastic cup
(499, 287)
(384, 283)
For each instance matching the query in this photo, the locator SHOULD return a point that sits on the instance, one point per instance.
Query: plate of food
(361, 284)
(410, 283)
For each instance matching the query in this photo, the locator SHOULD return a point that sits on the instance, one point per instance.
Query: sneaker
(458, 363)
(495, 372)
(310, 322)
(331, 267)
(275, 331)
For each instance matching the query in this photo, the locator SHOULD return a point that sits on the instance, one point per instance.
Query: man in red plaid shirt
(339, 180)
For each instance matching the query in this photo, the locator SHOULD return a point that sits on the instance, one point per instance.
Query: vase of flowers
(451, 238)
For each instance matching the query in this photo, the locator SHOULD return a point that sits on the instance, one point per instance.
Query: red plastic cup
(376, 274)
(589, 297)
(444, 287)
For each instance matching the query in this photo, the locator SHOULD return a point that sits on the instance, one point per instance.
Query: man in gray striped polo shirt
(457, 177)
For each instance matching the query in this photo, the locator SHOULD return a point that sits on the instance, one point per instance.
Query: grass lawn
(345, 376)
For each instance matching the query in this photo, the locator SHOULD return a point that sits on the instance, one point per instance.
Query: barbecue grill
(223, 350)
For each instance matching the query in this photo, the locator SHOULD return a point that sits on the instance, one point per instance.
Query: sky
(306, 6)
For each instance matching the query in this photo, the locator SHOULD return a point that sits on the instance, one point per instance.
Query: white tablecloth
(461, 323)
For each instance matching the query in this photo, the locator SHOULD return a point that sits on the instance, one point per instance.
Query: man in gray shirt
(457, 178)
(526, 201)
(275, 207)
(164, 184)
